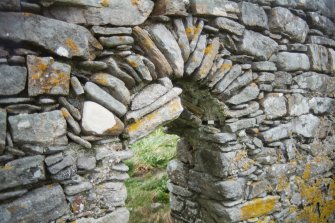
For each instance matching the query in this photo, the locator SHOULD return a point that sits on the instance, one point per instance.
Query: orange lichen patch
(101, 79)
(7, 167)
(224, 67)
(72, 46)
(282, 183)
(307, 173)
(50, 186)
(189, 31)
(198, 29)
(27, 14)
(258, 207)
(65, 113)
(104, 3)
(133, 63)
(241, 155)
(319, 198)
(135, 2)
(209, 49)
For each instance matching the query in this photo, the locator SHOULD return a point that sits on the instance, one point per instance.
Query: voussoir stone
(282, 20)
(46, 128)
(22, 171)
(13, 79)
(61, 38)
(41, 205)
(114, 12)
(167, 44)
(47, 76)
(96, 119)
(258, 45)
(148, 95)
(248, 93)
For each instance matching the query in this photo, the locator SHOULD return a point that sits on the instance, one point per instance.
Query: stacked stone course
(248, 85)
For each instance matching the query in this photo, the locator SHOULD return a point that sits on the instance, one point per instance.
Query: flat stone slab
(61, 38)
(46, 128)
(47, 76)
(44, 204)
(3, 128)
(150, 122)
(22, 171)
(214, 7)
(13, 79)
(113, 12)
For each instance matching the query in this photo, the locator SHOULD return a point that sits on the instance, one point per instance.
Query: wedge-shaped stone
(248, 93)
(214, 7)
(13, 79)
(44, 204)
(22, 171)
(152, 52)
(228, 78)
(196, 57)
(46, 128)
(150, 122)
(282, 20)
(182, 39)
(61, 38)
(165, 41)
(113, 12)
(137, 63)
(47, 76)
(257, 45)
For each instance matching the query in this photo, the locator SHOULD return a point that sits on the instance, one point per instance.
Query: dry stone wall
(248, 85)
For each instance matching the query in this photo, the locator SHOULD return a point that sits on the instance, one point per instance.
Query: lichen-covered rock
(50, 201)
(47, 76)
(48, 128)
(319, 58)
(13, 79)
(306, 125)
(52, 35)
(229, 26)
(287, 61)
(168, 7)
(27, 170)
(248, 93)
(214, 8)
(321, 22)
(150, 122)
(148, 95)
(274, 105)
(253, 16)
(133, 13)
(282, 20)
(297, 105)
(257, 45)
(313, 81)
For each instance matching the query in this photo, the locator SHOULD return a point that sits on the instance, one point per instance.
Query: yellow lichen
(282, 183)
(72, 46)
(307, 173)
(8, 167)
(101, 79)
(104, 3)
(135, 2)
(133, 63)
(209, 49)
(65, 113)
(258, 207)
(189, 32)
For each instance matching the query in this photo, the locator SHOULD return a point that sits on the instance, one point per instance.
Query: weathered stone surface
(241, 124)
(177, 173)
(148, 96)
(65, 162)
(86, 163)
(120, 215)
(150, 122)
(264, 66)
(214, 8)
(66, 173)
(77, 188)
(79, 140)
(152, 52)
(133, 13)
(60, 39)
(229, 25)
(114, 69)
(274, 105)
(168, 7)
(321, 106)
(251, 209)
(110, 42)
(231, 189)
(12, 194)
(115, 86)
(47, 76)
(99, 30)
(297, 105)
(196, 57)
(312, 81)
(73, 110)
(10, 5)
(182, 39)
(321, 40)
(211, 51)
(220, 73)
(112, 151)
(234, 72)
(306, 125)
(319, 58)
(258, 45)
(97, 120)
(100, 96)
(13, 79)
(165, 41)
(321, 22)
(48, 128)
(3, 128)
(196, 34)
(252, 107)
(331, 54)
(50, 201)
(258, 188)
(92, 65)
(52, 159)
(137, 63)
(248, 93)
(277, 133)
(253, 15)
(291, 61)
(282, 20)
(70, 121)
(22, 171)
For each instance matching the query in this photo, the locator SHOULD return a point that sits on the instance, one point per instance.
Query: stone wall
(248, 85)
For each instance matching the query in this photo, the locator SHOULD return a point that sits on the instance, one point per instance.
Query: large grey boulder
(13, 79)
(291, 61)
(41, 205)
(313, 81)
(306, 125)
(257, 45)
(319, 58)
(61, 38)
(113, 12)
(282, 20)
(253, 15)
(321, 22)
(27, 170)
(46, 128)
(274, 105)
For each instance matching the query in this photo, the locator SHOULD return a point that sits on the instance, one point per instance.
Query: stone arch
(248, 86)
